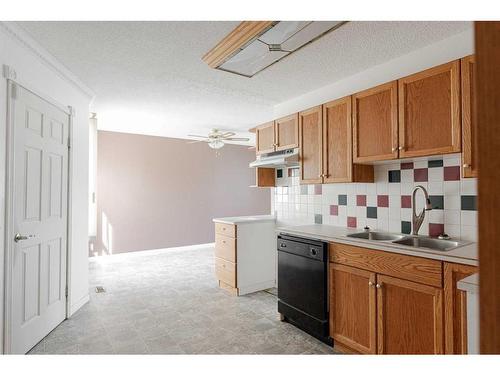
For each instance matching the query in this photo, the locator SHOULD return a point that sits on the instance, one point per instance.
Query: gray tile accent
(437, 202)
(469, 202)
(342, 200)
(318, 219)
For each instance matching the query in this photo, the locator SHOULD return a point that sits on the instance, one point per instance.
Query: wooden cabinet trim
(318, 111)
(417, 269)
(455, 314)
(348, 342)
(437, 294)
(270, 147)
(226, 271)
(225, 247)
(469, 144)
(393, 89)
(295, 118)
(454, 68)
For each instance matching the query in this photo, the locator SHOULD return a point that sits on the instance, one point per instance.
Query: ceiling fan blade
(201, 140)
(237, 139)
(227, 134)
(197, 136)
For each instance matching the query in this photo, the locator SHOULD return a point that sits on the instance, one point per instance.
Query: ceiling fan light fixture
(216, 144)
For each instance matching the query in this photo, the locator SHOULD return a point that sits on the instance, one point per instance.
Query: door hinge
(66, 291)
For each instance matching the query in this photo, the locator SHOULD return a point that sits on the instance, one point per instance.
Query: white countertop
(469, 284)
(466, 254)
(244, 219)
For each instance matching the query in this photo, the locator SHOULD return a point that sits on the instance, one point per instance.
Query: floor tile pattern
(168, 302)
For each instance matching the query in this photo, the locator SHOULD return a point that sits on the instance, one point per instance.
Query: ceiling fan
(216, 138)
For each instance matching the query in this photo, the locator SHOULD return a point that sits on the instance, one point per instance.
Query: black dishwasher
(303, 284)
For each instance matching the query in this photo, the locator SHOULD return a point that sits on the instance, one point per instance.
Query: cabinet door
(469, 125)
(287, 132)
(410, 317)
(429, 112)
(375, 123)
(455, 308)
(311, 146)
(352, 308)
(337, 151)
(264, 141)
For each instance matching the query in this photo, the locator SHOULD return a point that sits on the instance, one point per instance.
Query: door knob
(19, 237)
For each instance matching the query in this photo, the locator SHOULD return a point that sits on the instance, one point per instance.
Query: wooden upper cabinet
(429, 111)
(375, 123)
(337, 141)
(287, 132)
(310, 149)
(469, 125)
(353, 308)
(264, 138)
(410, 317)
(455, 307)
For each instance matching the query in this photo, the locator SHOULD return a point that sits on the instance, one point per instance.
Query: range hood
(285, 158)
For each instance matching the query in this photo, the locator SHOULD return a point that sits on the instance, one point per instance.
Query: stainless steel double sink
(418, 242)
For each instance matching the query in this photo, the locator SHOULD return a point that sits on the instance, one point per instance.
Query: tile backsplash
(386, 204)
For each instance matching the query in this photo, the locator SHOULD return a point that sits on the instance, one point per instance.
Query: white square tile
(394, 188)
(406, 188)
(371, 223)
(406, 214)
(436, 216)
(436, 187)
(383, 213)
(436, 174)
(452, 202)
(468, 186)
(360, 222)
(420, 164)
(360, 212)
(371, 200)
(468, 218)
(452, 230)
(383, 225)
(394, 213)
(371, 189)
(468, 233)
(452, 217)
(407, 176)
(342, 211)
(351, 210)
(395, 226)
(395, 201)
(381, 188)
(360, 188)
(452, 188)
(452, 160)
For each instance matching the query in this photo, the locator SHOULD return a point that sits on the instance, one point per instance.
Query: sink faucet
(417, 220)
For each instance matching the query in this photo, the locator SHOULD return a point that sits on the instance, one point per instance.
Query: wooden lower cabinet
(352, 321)
(455, 308)
(409, 317)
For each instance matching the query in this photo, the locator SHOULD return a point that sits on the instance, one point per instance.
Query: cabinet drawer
(225, 229)
(225, 247)
(225, 271)
(420, 270)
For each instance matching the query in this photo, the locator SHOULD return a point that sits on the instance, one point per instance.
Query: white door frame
(12, 83)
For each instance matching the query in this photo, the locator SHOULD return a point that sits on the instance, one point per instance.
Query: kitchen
(276, 187)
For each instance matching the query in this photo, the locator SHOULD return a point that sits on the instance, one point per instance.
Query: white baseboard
(77, 306)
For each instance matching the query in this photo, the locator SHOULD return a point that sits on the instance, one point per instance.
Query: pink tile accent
(452, 173)
(334, 210)
(421, 175)
(361, 200)
(351, 222)
(435, 229)
(407, 165)
(406, 201)
(318, 189)
(382, 201)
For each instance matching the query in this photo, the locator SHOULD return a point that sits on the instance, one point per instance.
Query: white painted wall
(440, 52)
(40, 72)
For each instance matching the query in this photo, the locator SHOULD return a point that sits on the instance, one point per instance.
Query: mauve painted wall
(156, 192)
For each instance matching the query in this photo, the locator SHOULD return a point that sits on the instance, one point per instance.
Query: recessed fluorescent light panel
(280, 40)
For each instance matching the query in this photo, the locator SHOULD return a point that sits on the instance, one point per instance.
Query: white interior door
(40, 212)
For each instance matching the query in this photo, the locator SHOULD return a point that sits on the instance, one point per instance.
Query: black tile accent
(437, 202)
(435, 163)
(303, 189)
(469, 202)
(371, 212)
(318, 219)
(279, 173)
(406, 227)
(395, 176)
(342, 200)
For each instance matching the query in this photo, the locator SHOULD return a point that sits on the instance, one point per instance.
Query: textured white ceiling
(149, 77)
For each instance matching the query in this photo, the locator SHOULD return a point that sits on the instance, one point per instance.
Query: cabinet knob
(401, 148)
(394, 149)
(466, 165)
(378, 286)
(370, 283)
